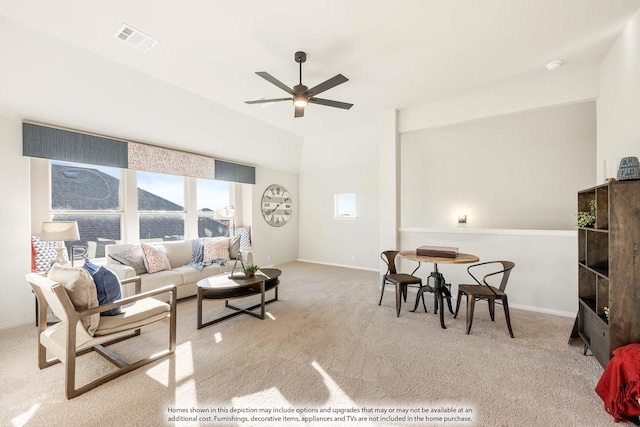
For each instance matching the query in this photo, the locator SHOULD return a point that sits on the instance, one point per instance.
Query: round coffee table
(223, 286)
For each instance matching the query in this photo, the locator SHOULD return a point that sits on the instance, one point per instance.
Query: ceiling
(397, 54)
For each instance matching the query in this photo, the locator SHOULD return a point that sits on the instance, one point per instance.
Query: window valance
(72, 146)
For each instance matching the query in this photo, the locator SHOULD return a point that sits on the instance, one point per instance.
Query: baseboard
(544, 310)
(353, 267)
(16, 324)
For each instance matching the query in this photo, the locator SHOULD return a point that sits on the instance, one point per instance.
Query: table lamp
(60, 231)
(228, 213)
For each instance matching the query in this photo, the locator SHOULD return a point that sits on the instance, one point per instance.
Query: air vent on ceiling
(135, 38)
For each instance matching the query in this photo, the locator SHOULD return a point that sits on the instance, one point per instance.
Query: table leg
(440, 292)
(199, 308)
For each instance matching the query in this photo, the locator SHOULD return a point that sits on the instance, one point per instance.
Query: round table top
(459, 259)
(223, 281)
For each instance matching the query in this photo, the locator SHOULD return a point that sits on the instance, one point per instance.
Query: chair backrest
(389, 257)
(504, 269)
(54, 294)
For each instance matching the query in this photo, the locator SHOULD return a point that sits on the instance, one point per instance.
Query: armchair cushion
(81, 290)
(133, 257)
(136, 315)
(108, 286)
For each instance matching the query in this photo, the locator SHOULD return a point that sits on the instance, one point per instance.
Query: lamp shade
(59, 231)
(228, 212)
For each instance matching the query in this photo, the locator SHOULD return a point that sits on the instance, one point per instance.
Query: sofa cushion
(192, 275)
(108, 286)
(133, 257)
(81, 290)
(216, 248)
(155, 258)
(160, 279)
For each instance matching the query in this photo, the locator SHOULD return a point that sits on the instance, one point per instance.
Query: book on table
(437, 251)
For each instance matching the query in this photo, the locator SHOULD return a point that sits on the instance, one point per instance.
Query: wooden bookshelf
(609, 269)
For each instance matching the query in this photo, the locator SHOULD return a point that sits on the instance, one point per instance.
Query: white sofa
(179, 254)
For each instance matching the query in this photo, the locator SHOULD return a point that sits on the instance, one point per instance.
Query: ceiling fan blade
(332, 82)
(330, 103)
(268, 77)
(299, 112)
(262, 101)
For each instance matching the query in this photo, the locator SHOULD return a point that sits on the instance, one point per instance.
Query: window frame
(339, 200)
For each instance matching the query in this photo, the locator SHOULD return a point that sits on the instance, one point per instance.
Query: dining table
(440, 288)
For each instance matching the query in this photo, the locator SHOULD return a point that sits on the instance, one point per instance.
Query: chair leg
(398, 298)
(505, 304)
(492, 308)
(404, 292)
(382, 293)
(471, 303)
(458, 304)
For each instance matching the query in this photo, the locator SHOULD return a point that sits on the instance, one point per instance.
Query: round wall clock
(276, 205)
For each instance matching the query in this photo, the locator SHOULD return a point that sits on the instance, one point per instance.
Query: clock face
(276, 205)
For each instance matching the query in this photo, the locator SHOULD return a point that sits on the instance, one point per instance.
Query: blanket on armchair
(619, 386)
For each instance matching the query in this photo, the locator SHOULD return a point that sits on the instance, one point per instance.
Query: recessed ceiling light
(552, 66)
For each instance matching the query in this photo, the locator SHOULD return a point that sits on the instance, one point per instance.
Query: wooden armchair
(69, 338)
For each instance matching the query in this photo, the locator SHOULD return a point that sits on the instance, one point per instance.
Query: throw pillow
(216, 248)
(155, 258)
(46, 252)
(234, 247)
(133, 257)
(244, 233)
(81, 290)
(108, 286)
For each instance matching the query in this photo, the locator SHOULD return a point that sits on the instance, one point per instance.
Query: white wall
(340, 162)
(17, 302)
(44, 79)
(518, 171)
(619, 102)
(274, 245)
(544, 279)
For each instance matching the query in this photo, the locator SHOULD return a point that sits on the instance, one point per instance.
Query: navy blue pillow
(107, 285)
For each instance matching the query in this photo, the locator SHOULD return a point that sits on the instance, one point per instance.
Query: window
(345, 206)
(160, 198)
(211, 197)
(90, 195)
(94, 197)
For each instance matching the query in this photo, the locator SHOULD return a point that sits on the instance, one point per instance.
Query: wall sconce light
(462, 219)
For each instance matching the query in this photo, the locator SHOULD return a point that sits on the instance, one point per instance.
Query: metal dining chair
(400, 280)
(485, 291)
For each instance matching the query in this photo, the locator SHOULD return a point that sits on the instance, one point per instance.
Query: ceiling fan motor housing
(300, 89)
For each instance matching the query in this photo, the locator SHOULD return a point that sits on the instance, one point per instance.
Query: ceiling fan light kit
(301, 95)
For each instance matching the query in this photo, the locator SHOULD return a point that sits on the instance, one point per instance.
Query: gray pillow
(234, 247)
(133, 257)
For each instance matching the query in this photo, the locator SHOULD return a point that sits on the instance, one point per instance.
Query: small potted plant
(587, 219)
(250, 270)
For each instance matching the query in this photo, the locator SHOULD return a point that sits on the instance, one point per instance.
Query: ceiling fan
(301, 95)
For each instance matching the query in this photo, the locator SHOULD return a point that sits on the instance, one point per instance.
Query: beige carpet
(327, 351)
